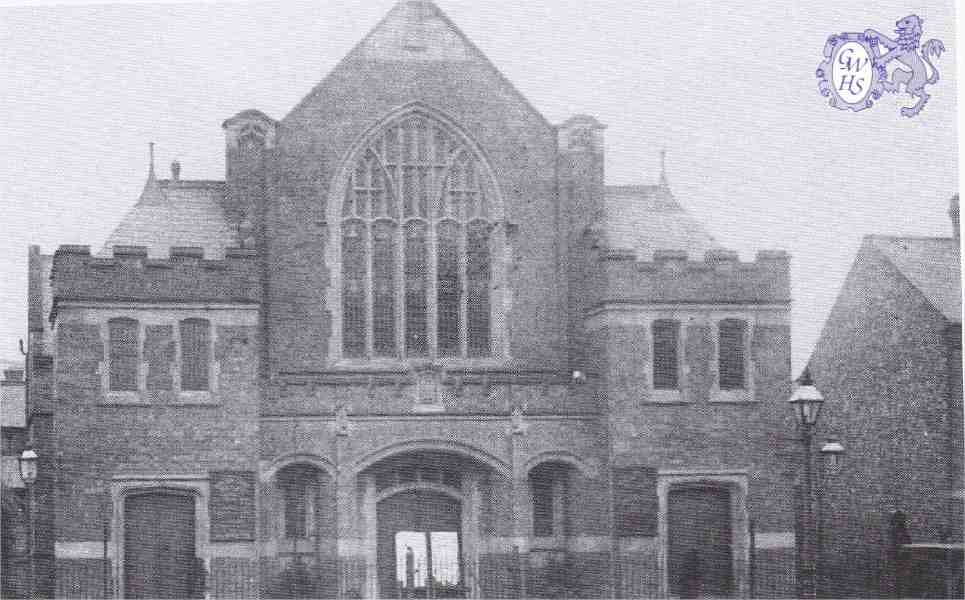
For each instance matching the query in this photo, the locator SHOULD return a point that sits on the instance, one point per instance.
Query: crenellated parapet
(130, 276)
(672, 276)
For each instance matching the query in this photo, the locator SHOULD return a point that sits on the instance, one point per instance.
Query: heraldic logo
(855, 70)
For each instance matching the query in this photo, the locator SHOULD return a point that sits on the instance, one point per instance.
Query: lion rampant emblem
(854, 73)
(908, 50)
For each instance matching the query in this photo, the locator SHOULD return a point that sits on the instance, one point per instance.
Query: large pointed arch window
(416, 246)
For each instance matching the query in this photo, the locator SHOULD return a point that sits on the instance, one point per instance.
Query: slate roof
(645, 218)
(933, 265)
(175, 213)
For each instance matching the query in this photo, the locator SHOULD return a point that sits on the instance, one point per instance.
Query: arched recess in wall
(439, 446)
(416, 245)
(587, 468)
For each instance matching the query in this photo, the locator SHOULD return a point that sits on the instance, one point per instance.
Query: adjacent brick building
(889, 364)
(412, 339)
(14, 502)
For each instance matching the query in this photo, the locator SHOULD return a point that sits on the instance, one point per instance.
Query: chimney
(175, 171)
(953, 213)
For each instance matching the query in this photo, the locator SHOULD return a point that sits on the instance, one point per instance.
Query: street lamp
(27, 463)
(28, 467)
(832, 453)
(807, 402)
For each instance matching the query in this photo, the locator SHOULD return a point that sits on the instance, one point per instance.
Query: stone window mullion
(369, 291)
(683, 370)
(141, 363)
(463, 294)
(400, 287)
(432, 286)
(665, 344)
(105, 357)
(214, 366)
(178, 357)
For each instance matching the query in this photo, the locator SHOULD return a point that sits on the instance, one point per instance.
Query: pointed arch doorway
(420, 545)
(422, 515)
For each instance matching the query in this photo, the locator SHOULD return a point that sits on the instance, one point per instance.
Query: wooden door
(159, 552)
(700, 557)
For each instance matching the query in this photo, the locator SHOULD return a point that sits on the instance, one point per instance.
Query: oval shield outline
(826, 68)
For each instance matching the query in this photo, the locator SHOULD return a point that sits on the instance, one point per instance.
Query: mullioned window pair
(126, 354)
(731, 354)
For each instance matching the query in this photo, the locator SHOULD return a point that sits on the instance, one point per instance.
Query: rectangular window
(195, 354)
(354, 271)
(383, 288)
(731, 354)
(416, 284)
(296, 510)
(300, 486)
(542, 505)
(666, 359)
(478, 275)
(124, 350)
(449, 296)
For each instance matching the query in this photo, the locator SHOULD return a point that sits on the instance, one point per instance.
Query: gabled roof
(933, 265)
(645, 218)
(416, 31)
(175, 213)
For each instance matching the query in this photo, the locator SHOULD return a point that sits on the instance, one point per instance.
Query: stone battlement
(672, 277)
(130, 276)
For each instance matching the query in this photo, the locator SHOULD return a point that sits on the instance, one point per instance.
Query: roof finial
(663, 167)
(152, 188)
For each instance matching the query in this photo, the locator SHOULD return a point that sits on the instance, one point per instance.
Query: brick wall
(129, 276)
(698, 428)
(693, 431)
(881, 363)
(98, 440)
(156, 437)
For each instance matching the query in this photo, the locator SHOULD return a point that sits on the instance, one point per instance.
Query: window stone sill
(125, 398)
(196, 398)
(376, 365)
(151, 398)
(667, 397)
(745, 396)
(549, 543)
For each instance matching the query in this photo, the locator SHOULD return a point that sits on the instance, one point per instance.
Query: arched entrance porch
(423, 515)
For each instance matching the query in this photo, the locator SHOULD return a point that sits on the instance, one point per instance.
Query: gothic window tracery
(416, 256)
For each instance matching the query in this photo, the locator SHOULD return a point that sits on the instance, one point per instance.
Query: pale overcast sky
(753, 150)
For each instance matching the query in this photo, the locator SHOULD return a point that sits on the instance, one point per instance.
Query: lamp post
(832, 454)
(27, 462)
(806, 402)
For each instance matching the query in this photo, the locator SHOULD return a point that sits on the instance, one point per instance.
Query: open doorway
(420, 546)
(428, 564)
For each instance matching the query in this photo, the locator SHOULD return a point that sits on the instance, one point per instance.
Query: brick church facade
(412, 344)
